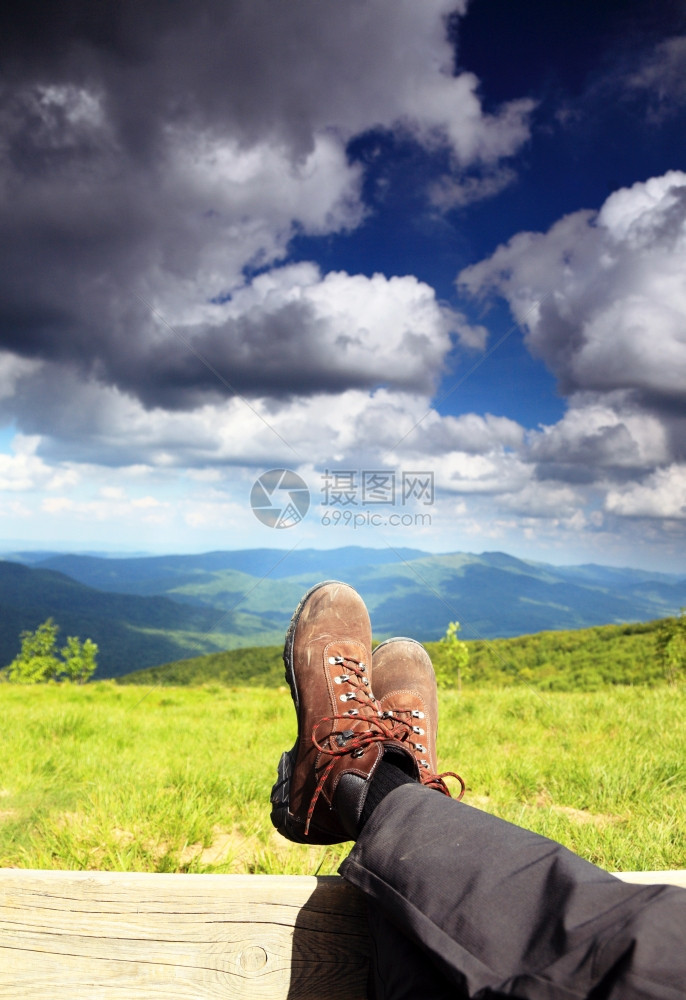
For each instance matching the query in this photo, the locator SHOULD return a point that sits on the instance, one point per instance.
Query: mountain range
(147, 610)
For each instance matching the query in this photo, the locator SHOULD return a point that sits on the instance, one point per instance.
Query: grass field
(177, 779)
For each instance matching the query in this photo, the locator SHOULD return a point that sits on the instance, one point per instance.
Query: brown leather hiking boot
(341, 735)
(405, 685)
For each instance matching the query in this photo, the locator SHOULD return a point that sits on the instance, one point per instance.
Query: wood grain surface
(121, 936)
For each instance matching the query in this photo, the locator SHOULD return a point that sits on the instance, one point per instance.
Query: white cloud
(663, 76)
(355, 67)
(12, 370)
(290, 332)
(494, 474)
(473, 337)
(422, 431)
(142, 511)
(444, 107)
(603, 298)
(598, 436)
(24, 470)
(230, 206)
(456, 192)
(353, 429)
(355, 329)
(662, 495)
(547, 500)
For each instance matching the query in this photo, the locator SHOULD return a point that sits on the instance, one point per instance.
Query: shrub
(38, 661)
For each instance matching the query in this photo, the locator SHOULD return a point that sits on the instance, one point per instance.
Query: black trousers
(462, 904)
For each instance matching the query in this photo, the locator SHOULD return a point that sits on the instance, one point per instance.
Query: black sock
(388, 776)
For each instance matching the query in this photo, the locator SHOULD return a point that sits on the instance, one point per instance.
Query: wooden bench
(95, 935)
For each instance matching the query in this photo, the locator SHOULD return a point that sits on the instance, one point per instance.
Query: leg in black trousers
(463, 904)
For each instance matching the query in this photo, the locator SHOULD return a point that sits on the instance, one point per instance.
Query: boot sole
(281, 816)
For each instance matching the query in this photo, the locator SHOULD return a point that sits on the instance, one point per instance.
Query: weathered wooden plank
(649, 878)
(91, 935)
(123, 936)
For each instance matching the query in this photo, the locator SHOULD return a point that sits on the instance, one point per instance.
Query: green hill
(146, 611)
(580, 660)
(258, 666)
(129, 630)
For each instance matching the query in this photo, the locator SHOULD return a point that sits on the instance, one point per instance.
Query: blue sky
(394, 237)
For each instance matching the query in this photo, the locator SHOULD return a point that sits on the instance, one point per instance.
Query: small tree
(458, 652)
(37, 662)
(79, 659)
(671, 647)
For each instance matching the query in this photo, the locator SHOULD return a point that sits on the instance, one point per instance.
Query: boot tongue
(349, 800)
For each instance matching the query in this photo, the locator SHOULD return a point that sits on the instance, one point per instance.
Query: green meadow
(177, 778)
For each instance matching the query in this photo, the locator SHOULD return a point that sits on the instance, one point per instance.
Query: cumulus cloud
(354, 429)
(265, 71)
(24, 470)
(602, 300)
(349, 330)
(661, 495)
(157, 154)
(546, 500)
(290, 331)
(596, 437)
(79, 250)
(469, 433)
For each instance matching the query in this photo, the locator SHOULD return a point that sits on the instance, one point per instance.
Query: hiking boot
(323, 780)
(405, 685)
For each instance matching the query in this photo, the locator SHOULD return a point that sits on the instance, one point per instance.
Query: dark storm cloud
(290, 351)
(207, 61)
(157, 149)
(286, 353)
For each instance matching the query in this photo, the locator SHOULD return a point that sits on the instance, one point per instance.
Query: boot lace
(382, 726)
(406, 717)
